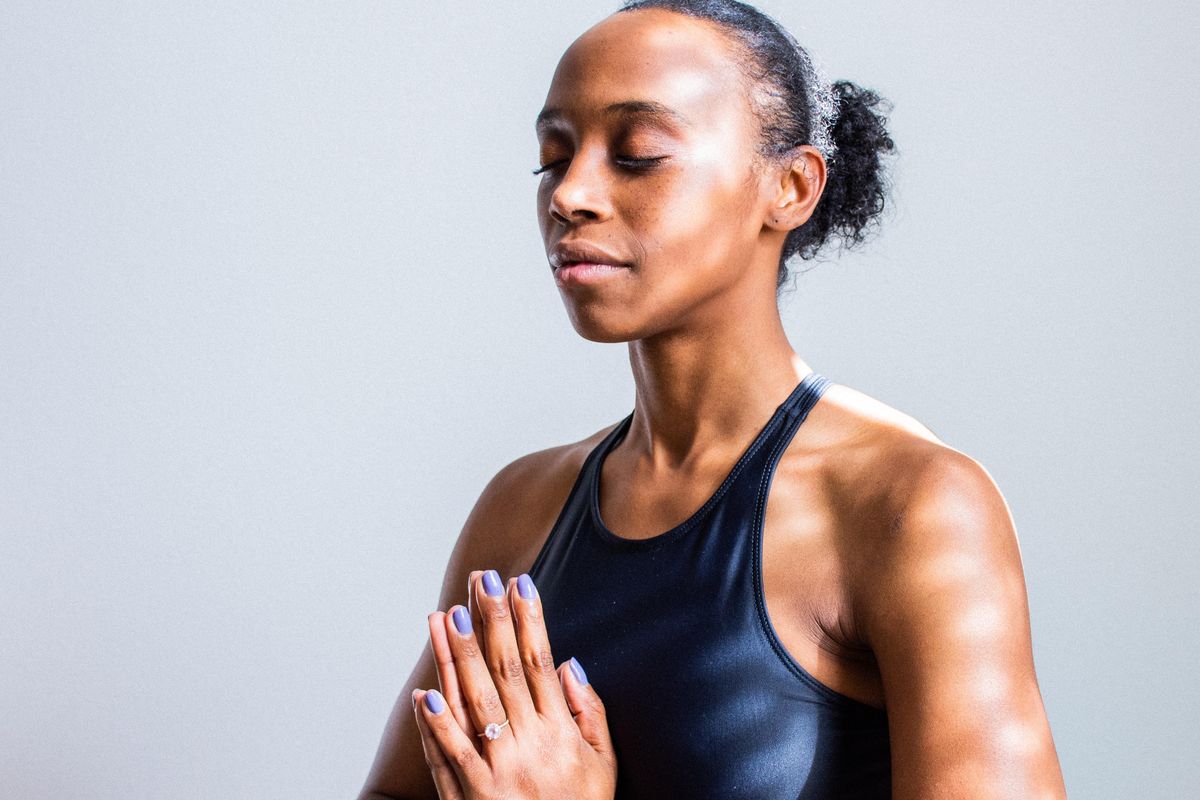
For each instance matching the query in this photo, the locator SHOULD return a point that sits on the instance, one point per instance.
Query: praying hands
(506, 722)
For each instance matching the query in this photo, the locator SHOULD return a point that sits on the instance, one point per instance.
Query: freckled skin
(891, 565)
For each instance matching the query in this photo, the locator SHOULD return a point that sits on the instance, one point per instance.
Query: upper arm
(948, 621)
(489, 539)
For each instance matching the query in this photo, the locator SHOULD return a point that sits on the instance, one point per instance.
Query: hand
(556, 743)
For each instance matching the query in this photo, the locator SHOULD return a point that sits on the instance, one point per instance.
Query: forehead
(650, 63)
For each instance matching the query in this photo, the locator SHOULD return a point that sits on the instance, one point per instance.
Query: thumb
(586, 707)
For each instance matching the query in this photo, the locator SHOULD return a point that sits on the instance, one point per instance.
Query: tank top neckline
(697, 516)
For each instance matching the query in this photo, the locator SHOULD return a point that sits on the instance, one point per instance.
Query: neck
(707, 384)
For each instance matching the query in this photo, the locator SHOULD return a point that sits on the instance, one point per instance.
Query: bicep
(399, 769)
(949, 625)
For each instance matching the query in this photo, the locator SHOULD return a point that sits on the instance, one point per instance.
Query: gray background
(274, 307)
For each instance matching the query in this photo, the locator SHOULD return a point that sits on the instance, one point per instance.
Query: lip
(581, 263)
(583, 273)
(566, 254)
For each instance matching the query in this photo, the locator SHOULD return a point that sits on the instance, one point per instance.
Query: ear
(798, 188)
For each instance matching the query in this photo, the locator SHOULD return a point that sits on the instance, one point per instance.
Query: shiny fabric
(703, 700)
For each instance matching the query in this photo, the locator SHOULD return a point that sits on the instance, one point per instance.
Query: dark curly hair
(790, 115)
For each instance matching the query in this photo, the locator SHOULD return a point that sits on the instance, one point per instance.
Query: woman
(769, 584)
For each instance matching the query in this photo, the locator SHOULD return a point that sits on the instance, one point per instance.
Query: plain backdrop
(274, 307)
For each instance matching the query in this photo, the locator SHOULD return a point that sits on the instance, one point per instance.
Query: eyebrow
(648, 108)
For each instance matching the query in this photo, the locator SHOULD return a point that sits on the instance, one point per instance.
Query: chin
(596, 326)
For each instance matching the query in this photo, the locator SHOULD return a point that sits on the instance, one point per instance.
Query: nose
(582, 193)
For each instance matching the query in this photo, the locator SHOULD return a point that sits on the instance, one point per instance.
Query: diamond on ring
(492, 730)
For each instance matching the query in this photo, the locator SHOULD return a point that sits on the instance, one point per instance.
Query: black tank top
(703, 701)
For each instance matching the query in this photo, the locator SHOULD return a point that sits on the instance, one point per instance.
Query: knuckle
(551, 749)
(540, 662)
(488, 702)
(532, 612)
(548, 751)
(469, 648)
(495, 610)
(463, 756)
(511, 670)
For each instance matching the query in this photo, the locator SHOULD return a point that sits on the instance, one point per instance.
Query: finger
(447, 674)
(445, 778)
(484, 704)
(534, 645)
(587, 708)
(473, 601)
(500, 650)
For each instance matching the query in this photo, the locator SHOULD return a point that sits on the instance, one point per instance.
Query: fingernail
(577, 671)
(492, 584)
(434, 701)
(462, 620)
(525, 586)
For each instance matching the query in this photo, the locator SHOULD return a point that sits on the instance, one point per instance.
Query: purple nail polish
(462, 620)
(577, 671)
(525, 586)
(492, 584)
(434, 701)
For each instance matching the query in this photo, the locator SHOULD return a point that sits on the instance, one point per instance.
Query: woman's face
(648, 139)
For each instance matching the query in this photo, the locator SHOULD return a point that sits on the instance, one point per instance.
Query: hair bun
(856, 185)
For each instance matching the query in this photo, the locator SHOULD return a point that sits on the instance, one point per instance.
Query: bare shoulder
(933, 535)
(892, 474)
(515, 511)
(902, 506)
(937, 593)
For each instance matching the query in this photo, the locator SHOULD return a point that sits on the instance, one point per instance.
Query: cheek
(698, 220)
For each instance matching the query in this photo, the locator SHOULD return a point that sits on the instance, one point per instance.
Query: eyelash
(636, 164)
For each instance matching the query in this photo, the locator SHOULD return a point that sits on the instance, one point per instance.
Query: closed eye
(635, 164)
